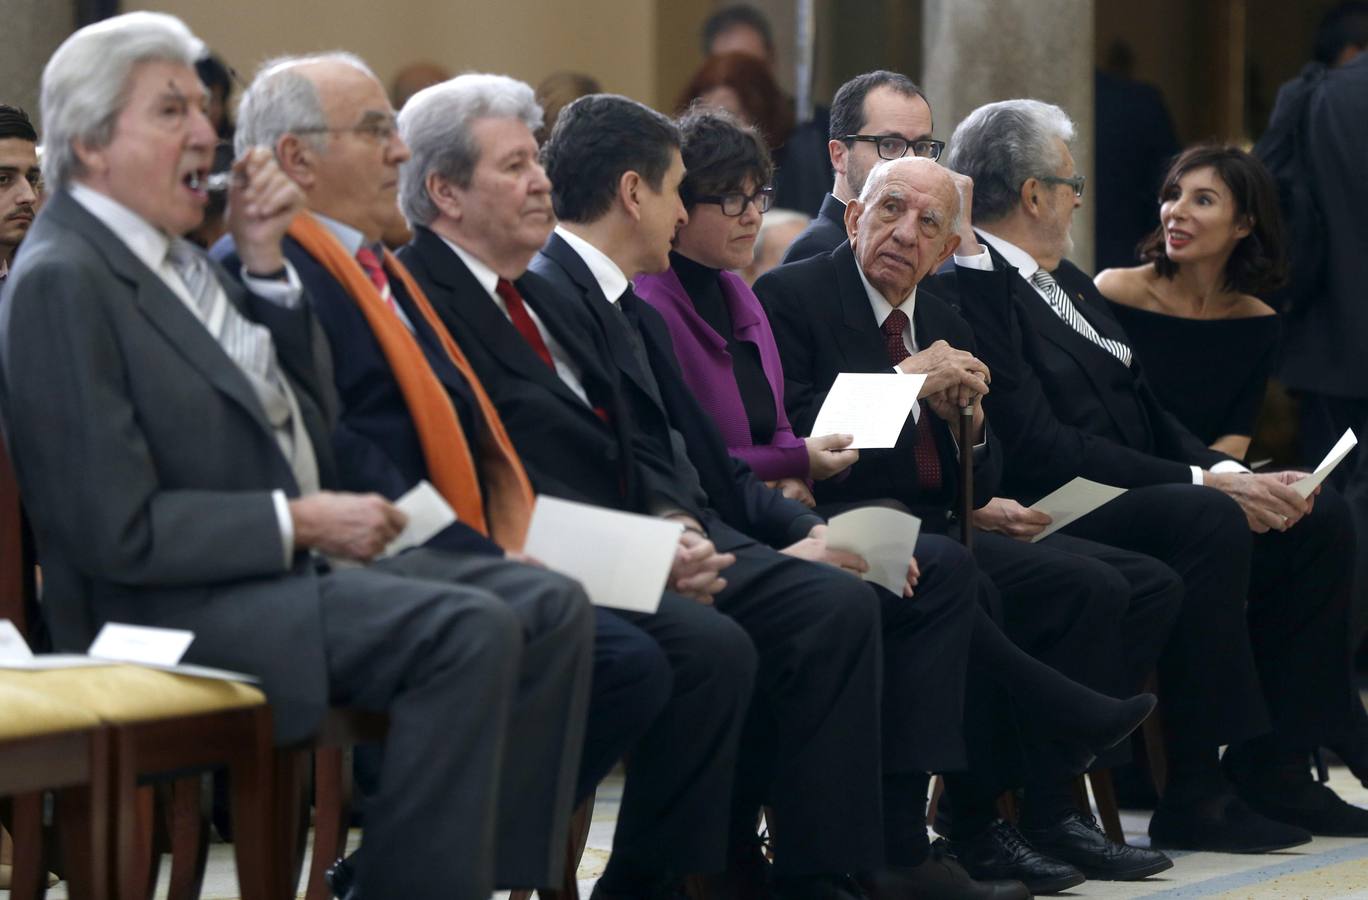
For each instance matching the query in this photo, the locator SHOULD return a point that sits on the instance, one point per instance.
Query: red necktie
(522, 320)
(370, 264)
(924, 452)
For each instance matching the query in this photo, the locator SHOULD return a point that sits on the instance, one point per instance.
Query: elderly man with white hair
(1094, 613)
(171, 449)
(1259, 658)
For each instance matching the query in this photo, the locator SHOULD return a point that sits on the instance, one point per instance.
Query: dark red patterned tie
(924, 452)
(522, 320)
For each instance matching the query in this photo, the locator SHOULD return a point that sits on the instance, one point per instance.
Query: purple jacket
(707, 370)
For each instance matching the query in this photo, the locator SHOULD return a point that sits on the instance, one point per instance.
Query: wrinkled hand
(946, 408)
(961, 374)
(1268, 503)
(794, 489)
(519, 557)
(827, 455)
(964, 186)
(913, 577)
(814, 549)
(1009, 517)
(350, 526)
(696, 567)
(1290, 477)
(262, 203)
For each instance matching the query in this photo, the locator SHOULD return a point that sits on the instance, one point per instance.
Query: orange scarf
(449, 462)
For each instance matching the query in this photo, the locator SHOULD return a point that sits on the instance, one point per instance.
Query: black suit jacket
(734, 494)
(1064, 406)
(824, 233)
(567, 449)
(374, 440)
(824, 324)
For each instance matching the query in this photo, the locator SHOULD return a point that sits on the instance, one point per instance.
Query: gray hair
(435, 124)
(86, 82)
(281, 101)
(778, 218)
(1001, 145)
(880, 173)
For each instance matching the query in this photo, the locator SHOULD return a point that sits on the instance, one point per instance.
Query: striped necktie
(246, 342)
(1065, 309)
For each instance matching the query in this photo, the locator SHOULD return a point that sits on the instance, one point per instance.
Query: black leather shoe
(940, 877)
(817, 887)
(1077, 840)
(1220, 824)
(1295, 799)
(1111, 730)
(1000, 853)
(341, 879)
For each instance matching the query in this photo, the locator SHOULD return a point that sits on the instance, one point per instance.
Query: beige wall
(613, 40)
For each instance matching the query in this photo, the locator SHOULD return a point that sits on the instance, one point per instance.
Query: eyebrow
(375, 115)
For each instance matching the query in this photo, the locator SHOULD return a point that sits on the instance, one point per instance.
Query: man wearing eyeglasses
(875, 116)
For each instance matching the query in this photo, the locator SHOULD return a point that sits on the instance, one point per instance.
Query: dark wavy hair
(1257, 264)
(719, 152)
(762, 102)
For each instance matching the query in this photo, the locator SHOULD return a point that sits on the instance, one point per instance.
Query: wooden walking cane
(966, 443)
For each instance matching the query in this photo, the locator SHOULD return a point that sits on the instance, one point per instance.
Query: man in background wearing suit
(1069, 399)
(877, 115)
(1095, 613)
(19, 181)
(172, 462)
(410, 406)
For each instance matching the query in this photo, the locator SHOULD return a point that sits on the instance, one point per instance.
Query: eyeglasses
(1076, 182)
(380, 130)
(735, 202)
(893, 147)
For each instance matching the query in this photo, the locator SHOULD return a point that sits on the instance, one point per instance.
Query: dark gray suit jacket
(148, 465)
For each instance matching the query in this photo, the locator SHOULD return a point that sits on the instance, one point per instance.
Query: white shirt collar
(1025, 263)
(347, 236)
(882, 308)
(146, 241)
(487, 277)
(606, 272)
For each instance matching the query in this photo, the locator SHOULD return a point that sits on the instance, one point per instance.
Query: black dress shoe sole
(1198, 847)
(1053, 886)
(1135, 874)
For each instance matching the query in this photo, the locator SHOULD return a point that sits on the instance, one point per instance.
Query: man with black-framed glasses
(876, 116)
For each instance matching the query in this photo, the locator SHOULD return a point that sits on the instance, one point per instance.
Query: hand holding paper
(885, 537)
(427, 512)
(1337, 453)
(872, 407)
(1073, 501)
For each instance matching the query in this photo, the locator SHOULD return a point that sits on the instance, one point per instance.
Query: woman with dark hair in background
(1207, 342)
(745, 87)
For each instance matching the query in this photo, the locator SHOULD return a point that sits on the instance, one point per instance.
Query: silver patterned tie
(1064, 308)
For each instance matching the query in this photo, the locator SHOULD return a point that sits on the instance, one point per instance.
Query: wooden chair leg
(937, 788)
(134, 810)
(1104, 792)
(189, 832)
(1007, 807)
(292, 808)
(258, 844)
(83, 825)
(332, 814)
(28, 878)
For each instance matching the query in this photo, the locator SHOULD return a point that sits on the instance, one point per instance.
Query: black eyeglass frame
(763, 198)
(936, 147)
(1077, 182)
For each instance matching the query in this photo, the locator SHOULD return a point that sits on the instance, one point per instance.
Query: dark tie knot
(895, 324)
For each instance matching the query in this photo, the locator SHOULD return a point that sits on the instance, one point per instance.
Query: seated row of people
(235, 424)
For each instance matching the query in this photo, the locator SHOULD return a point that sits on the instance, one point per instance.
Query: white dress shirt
(566, 370)
(610, 278)
(151, 246)
(1026, 266)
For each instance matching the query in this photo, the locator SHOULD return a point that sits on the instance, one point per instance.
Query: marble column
(980, 51)
(32, 30)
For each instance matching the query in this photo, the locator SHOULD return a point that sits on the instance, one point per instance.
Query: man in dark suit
(171, 462)
(1097, 614)
(877, 115)
(1069, 399)
(381, 444)
(615, 168)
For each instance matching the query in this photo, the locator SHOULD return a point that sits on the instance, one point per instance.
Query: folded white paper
(1073, 501)
(139, 644)
(116, 645)
(870, 406)
(1337, 453)
(428, 513)
(623, 560)
(886, 539)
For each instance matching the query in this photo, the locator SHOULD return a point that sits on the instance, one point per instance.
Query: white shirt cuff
(1224, 466)
(286, 522)
(981, 261)
(284, 293)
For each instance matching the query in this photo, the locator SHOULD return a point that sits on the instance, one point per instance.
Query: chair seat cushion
(121, 694)
(27, 713)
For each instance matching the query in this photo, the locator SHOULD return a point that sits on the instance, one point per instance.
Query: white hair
(86, 82)
(1003, 144)
(778, 218)
(435, 123)
(281, 101)
(880, 173)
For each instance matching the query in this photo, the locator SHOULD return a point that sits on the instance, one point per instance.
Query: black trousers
(811, 744)
(1260, 642)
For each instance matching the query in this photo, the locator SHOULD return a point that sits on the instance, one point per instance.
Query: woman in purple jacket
(720, 333)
